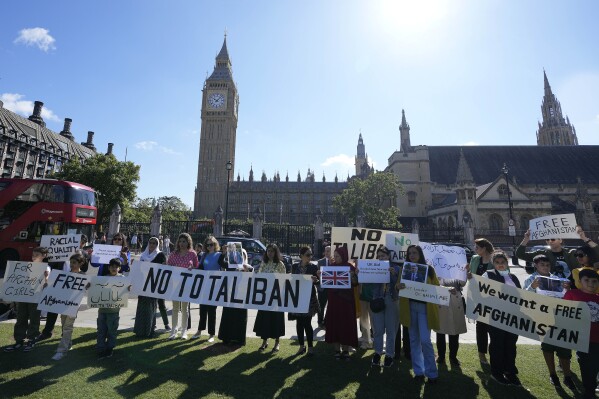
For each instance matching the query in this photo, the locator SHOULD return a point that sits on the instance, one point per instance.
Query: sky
(311, 76)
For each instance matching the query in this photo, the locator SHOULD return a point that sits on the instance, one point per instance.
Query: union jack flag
(335, 278)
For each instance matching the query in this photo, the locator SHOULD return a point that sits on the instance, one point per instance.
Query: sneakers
(173, 335)
(365, 345)
(554, 379)
(388, 362)
(211, 338)
(14, 347)
(58, 356)
(29, 346)
(184, 335)
(376, 360)
(44, 335)
(500, 379)
(198, 334)
(569, 382)
(513, 379)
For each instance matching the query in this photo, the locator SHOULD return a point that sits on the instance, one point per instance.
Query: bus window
(36, 230)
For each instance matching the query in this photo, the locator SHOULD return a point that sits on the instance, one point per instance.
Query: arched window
(502, 191)
(411, 198)
(450, 222)
(495, 222)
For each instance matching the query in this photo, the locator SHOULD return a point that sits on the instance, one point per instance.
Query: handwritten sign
(108, 292)
(425, 292)
(551, 320)
(361, 243)
(64, 293)
(103, 253)
(23, 281)
(399, 243)
(335, 277)
(449, 261)
(60, 248)
(554, 226)
(263, 291)
(373, 271)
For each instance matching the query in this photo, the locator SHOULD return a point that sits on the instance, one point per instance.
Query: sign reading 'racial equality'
(551, 320)
(64, 293)
(23, 281)
(554, 226)
(60, 248)
(262, 291)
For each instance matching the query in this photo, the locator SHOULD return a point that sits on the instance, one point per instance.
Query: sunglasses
(581, 255)
(210, 244)
(550, 239)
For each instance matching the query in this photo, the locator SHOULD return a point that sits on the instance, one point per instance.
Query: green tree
(375, 196)
(115, 182)
(173, 208)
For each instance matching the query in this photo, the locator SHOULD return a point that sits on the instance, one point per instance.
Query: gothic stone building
(449, 186)
(30, 150)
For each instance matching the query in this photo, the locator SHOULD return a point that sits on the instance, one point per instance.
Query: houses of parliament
(444, 185)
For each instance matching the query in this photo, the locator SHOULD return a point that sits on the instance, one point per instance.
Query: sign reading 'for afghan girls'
(554, 226)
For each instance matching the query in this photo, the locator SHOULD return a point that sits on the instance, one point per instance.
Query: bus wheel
(5, 256)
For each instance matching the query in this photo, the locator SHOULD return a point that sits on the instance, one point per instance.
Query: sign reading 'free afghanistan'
(262, 291)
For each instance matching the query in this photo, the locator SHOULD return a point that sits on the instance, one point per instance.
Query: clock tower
(217, 136)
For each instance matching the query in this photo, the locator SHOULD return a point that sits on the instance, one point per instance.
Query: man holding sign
(562, 261)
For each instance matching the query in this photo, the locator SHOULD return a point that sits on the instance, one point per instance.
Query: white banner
(554, 226)
(551, 320)
(399, 243)
(108, 292)
(23, 281)
(449, 262)
(263, 291)
(335, 277)
(361, 243)
(103, 253)
(425, 292)
(373, 271)
(64, 293)
(60, 248)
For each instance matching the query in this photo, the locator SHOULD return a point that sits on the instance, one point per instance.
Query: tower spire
(547, 85)
(404, 132)
(555, 129)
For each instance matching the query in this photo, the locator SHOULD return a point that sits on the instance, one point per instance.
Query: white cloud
(152, 145)
(470, 143)
(341, 159)
(13, 102)
(39, 37)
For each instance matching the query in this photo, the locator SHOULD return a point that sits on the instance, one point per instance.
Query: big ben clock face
(216, 100)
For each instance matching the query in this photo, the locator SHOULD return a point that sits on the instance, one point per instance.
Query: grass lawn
(158, 368)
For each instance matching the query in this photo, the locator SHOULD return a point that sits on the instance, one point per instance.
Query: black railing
(289, 237)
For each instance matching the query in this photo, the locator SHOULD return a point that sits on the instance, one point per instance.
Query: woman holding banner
(421, 317)
(479, 264)
(303, 321)
(340, 319)
(145, 314)
(270, 324)
(502, 350)
(233, 322)
(184, 256)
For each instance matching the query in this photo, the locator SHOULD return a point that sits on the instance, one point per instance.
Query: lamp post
(511, 223)
(229, 167)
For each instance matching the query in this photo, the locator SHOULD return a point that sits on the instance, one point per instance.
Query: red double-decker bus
(30, 208)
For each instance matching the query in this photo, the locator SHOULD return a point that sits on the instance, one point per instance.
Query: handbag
(378, 304)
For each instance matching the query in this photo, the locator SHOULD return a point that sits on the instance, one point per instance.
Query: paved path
(87, 318)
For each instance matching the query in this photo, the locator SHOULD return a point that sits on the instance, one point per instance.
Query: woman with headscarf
(340, 319)
(145, 314)
(233, 321)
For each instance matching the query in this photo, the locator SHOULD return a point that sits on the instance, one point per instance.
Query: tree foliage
(115, 182)
(173, 208)
(375, 195)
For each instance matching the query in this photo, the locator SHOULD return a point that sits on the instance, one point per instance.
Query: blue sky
(311, 75)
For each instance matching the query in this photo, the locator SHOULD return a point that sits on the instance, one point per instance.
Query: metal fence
(289, 237)
(197, 229)
(435, 234)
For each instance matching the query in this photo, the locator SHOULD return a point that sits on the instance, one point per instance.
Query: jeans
(589, 367)
(108, 324)
(28, 322)
(482, 337)
(386, 322)
(502, 351)
(423, 354)
(67, 333)
(208, 312)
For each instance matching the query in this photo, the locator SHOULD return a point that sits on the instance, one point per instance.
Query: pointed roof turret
(222, 69)
(224, 53)
(547, 86)
(404, 133)
(464, 174)
(404, 124)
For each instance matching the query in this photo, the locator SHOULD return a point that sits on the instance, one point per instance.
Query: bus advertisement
(31, 208)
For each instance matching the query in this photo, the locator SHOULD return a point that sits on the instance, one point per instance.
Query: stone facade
(30, 150)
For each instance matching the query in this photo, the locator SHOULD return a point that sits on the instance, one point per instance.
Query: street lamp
(229, 167)
(511, 224)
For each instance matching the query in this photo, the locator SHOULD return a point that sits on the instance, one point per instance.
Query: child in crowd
(77, 261)
(542, 269)
(28, 317)
(589, 362)
(108, 318)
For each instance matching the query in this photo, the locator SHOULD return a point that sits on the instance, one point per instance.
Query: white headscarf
(147, 256)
